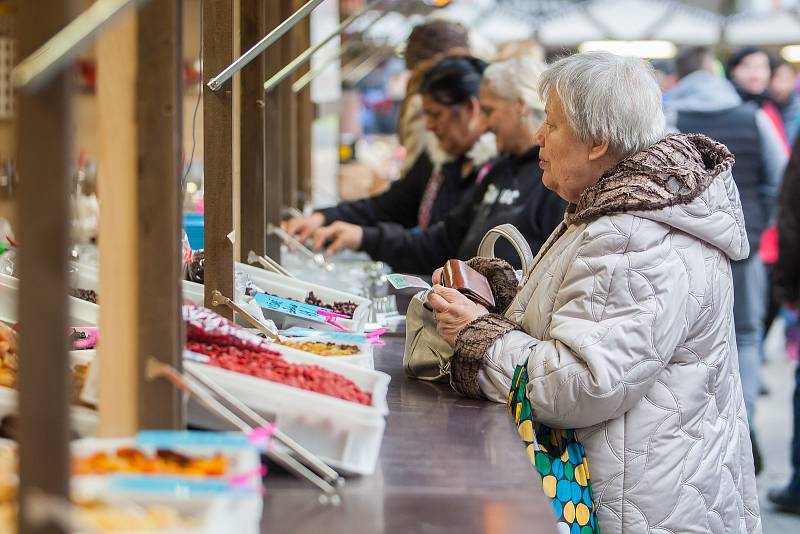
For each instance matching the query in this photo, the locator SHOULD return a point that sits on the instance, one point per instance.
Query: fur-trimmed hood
(683, 181)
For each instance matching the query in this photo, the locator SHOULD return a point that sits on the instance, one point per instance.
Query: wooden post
(288, 111)
(305, 118)
(159, 104)
(218, 151)
(44, 159)
(273, 138)
(253, 198)
(118, 235)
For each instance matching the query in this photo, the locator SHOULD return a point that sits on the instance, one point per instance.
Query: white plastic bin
(345, 434)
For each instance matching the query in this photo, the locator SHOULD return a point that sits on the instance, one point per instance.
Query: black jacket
(400, 203)
(512, 192)
(787, 268)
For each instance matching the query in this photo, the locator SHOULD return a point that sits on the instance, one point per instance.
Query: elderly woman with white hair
(623, 330)
(511, 192)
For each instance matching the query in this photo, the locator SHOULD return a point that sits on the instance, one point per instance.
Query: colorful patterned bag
(561, 461)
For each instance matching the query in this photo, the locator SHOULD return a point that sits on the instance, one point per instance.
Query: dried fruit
(321, 348)
(88, 295)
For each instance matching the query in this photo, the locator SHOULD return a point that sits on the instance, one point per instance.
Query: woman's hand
(453, 311)
(337, 236)
(303, 227)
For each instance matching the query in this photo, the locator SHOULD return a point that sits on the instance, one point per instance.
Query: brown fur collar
(673, 171)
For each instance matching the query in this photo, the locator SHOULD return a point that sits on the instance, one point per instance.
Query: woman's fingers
(439, 304)
(450, 295)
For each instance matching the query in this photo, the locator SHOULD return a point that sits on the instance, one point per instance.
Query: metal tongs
(230, 409)
(218, 299)
(268, 264)
(291, 242)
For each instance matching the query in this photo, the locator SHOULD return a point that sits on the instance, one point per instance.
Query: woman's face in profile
(456, 127)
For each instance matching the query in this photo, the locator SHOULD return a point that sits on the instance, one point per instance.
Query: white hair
(608, 97)
(518, 79)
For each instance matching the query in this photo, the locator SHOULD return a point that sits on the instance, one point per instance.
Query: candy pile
(321, 348)
(88, 295)
(231, 347)
(345, 308)
(271, 366)
(164, 462)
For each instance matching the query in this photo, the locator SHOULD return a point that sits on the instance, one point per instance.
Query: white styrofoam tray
(293, 288)
(345, 434)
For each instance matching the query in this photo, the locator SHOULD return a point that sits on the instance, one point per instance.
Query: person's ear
(598, 150)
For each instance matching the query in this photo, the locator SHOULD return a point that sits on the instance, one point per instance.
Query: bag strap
(513, 236)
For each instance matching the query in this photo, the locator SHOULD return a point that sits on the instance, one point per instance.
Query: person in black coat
(512, 191)
(442, 174)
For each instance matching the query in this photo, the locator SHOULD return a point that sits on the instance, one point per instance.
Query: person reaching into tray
(622, 335)
(511, 192)
(456, 156)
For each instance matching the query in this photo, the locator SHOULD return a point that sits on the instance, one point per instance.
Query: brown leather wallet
(458, 275)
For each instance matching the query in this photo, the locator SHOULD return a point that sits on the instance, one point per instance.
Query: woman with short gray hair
(623, 329)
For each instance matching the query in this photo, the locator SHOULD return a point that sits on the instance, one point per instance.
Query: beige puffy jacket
(626, 326)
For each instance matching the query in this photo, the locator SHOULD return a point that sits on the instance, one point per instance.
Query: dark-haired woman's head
(450, 102)
(750, 69)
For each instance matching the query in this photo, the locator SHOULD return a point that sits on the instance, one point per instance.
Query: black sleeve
(416, 250)
(399, 204)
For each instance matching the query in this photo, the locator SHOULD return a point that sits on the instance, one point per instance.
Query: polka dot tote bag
(561, 461)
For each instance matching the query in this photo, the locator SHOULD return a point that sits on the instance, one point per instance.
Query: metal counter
(447, 464)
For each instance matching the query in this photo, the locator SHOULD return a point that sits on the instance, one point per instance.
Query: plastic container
(81, 312)
(292, 288)
(193, 223)
(345, 434)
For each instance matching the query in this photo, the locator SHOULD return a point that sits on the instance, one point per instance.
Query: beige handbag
(427, 355)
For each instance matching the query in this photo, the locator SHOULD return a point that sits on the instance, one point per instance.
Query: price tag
(290, 307)
(335, 337)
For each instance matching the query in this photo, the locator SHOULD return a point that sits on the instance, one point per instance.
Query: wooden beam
(253, 199)
(218, 151)
(159, 105)
(305, 118)
(118, 239)
(288, 109)
(273, 138)
(43, 159)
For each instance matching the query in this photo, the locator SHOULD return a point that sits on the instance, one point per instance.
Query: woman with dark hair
(430, 189)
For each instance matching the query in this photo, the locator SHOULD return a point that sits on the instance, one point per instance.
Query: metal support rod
(155, 369)
(37, 69)
(215, 84)
(309, 76)
(282, 74)
(269, 264)
(365, 67)
(304, 454)
(218, 299)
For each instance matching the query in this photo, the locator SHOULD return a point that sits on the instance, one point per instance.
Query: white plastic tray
(81, 312)
(345, 434)
(292, 288)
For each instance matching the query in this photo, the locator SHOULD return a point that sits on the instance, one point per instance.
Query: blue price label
(289, 307)
(167, 438)
(341, 337)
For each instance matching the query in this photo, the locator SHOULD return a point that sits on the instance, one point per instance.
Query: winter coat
(511, 192)
(706, 104)
(400, 203)
(626, 325)
(787, 268)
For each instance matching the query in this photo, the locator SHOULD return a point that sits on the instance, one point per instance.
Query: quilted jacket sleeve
(618, 316)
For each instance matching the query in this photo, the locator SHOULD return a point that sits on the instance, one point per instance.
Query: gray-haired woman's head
(601, 108)
(511, 102)
(606, 96)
